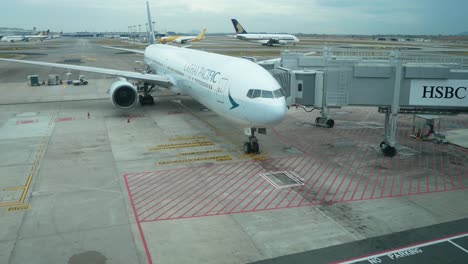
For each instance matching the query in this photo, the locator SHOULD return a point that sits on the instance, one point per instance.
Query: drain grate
(282, 179)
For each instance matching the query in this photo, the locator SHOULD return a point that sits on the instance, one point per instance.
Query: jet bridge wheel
(247, 148)
(320, 121)
(387, 150)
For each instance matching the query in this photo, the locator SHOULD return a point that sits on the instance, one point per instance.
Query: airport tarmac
(85, 182)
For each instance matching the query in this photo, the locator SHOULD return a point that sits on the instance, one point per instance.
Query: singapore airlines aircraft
(266, 39)
(235, 88)
(183, 39)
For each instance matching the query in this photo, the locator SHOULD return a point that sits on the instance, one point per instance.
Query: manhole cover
(282, 179)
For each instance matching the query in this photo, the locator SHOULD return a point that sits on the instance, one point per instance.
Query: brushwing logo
(234, 103)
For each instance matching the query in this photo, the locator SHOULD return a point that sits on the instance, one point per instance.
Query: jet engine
(123, 94)
(282, 42)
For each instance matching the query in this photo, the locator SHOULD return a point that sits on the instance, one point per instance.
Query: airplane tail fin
(200, 36)
(152, 38)
(238, 27)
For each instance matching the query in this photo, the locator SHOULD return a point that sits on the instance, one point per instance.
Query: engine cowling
(123, 94)
(282, 42)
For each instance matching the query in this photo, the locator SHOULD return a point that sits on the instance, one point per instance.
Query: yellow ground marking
(186, 138)
(91, 59)
(263, 156)
(216, 158)
(19, 208)
(28, 181)
(200, 152)
(14, 188)
(182, 145)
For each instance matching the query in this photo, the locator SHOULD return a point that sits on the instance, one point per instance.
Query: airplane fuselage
(220, 83)
(263, 38)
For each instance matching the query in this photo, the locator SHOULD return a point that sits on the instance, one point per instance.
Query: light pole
(139, 32)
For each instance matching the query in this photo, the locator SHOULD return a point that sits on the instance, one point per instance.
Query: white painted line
(458, 246)
(385, 253)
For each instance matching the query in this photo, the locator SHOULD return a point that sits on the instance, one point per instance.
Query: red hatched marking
(64, 119)
(25, 122)
(337, 166)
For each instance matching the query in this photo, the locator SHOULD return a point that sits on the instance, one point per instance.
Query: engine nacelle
(282, 42)
(123, 94)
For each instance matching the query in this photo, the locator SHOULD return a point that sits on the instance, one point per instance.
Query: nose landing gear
(252, 145)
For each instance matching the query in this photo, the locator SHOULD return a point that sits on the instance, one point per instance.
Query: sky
(368, 17)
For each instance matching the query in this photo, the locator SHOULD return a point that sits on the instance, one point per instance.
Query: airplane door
(220, 90)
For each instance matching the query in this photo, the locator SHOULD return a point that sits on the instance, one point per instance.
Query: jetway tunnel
(395, 83)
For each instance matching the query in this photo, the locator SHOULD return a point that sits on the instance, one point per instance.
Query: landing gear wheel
(387, 150)
(150, 100)
(146, 100)
(330, 123)
(141, 100)
(255, 148)
(317, 120)
(247, 148)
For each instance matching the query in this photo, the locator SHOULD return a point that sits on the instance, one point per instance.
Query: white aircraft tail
(152, 38)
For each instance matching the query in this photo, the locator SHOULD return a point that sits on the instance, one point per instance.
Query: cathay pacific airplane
(235, 88)
(266, 39)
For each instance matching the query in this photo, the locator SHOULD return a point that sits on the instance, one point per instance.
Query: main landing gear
(252, 145)
(146, 98)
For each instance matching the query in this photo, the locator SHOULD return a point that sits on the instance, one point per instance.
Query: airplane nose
(275, 113)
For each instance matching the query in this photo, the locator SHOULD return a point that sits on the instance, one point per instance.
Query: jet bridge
(395, 82)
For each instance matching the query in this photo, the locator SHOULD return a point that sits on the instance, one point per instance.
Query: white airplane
(266, 39)
(183, 39)
(235, 88)
(14, 38)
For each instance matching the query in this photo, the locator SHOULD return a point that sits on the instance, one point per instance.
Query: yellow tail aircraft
(183, 39)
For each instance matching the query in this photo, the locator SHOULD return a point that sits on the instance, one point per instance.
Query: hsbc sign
(439, 93)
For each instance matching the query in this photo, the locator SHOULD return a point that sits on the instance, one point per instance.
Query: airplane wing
(131, 50)
(160, 80)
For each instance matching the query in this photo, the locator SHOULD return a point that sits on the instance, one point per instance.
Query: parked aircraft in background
(183, 39)
(266, 39)
(235, 88)
(14, 38)
(54, 36)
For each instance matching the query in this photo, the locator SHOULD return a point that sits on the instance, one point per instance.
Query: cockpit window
(279, 93)
(249, 93)
(254, 93)
(267, 94)
(257, 93)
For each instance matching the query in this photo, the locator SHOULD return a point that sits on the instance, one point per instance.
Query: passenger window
(299, 87)
(249, 93)
(257, 93)
(267, 94)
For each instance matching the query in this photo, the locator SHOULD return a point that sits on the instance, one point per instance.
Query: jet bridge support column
(324, 118)
(388, 146)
